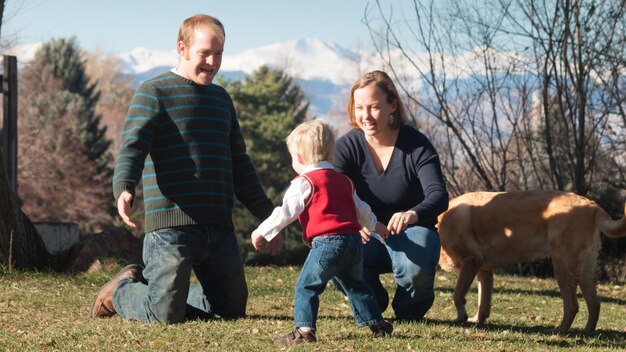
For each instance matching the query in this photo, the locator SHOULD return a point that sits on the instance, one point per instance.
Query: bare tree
(58, 180)
(525, 93)
(115, 89)
(64, 152)
(1, 12)
(578, 46)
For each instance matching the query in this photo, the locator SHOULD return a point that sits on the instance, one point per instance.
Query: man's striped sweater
(186, 139)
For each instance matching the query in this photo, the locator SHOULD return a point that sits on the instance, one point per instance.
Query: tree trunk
(20, 244)
(1, 12)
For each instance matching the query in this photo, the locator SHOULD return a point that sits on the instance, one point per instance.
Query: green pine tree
(269, 105)
(63, 58)
(64, 164)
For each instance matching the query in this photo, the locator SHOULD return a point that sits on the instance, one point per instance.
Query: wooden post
(9, 125)
(20, 243)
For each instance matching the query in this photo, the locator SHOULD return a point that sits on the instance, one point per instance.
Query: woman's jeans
(338, 256)
(412, 256)
(170, 255)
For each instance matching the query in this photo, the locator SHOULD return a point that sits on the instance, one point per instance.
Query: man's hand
(124, 205)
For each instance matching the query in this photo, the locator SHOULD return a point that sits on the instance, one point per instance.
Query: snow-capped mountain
(324, 70)
(308, 59)
(140, 59)
(24, 53)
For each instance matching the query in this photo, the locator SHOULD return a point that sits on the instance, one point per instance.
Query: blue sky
(119, 26)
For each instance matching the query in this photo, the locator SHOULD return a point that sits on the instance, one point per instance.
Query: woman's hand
(399, 221)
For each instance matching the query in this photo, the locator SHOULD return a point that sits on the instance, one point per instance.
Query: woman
(396, 170)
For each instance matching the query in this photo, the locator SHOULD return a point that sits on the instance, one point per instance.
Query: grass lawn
(49, 312)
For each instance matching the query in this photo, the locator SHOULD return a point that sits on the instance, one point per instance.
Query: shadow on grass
(544, 333)
(547, 293)
(269, 317)
(549, 335)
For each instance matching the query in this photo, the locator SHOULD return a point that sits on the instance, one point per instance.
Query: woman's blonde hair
(313, 140)
(384, 82)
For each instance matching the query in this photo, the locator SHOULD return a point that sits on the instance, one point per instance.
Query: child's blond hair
(313, 140)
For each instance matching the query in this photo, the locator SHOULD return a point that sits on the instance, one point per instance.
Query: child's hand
(258, 242)
(365, 235)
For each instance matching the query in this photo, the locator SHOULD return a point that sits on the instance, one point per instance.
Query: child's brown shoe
(297, 336)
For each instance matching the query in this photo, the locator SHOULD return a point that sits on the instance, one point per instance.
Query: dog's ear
(446, 263)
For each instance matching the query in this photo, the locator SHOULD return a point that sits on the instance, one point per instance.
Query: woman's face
(371, 110)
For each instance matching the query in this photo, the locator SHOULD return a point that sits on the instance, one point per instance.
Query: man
(182, 131)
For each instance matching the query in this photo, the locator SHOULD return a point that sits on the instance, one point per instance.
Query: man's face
(201, 61)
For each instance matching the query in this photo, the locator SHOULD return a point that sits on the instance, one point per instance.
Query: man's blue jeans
(412, 256)
(337, 256)
(170, 255)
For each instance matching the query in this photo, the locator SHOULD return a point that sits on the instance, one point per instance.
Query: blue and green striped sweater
(186, 139)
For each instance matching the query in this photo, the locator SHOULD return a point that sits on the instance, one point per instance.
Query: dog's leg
(587, 283)
(567, 285)
(469, 268)
(593, 304)
(485, 290)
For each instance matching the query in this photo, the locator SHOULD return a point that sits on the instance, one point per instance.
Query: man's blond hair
(313, 140)
(189, 26)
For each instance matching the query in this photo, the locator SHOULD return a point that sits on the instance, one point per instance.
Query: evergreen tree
(64, 165)
(269, 106)
(63, 59)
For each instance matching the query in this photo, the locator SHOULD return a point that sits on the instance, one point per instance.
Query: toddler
(331, 215)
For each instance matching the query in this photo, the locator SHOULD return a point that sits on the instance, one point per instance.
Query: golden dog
(482, 231)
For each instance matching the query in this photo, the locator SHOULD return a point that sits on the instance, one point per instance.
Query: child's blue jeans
(339, 256)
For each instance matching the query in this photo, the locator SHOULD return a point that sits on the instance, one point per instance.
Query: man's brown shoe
(297, 336)
(103, 304)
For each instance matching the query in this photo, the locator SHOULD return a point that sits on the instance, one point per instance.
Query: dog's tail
(609, 227)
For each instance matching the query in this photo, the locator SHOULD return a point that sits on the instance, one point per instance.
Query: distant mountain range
(324, 70)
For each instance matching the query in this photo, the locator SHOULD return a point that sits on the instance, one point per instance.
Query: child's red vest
(330, 209)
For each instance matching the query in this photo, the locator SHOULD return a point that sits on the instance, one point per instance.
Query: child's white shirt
(294, 203)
